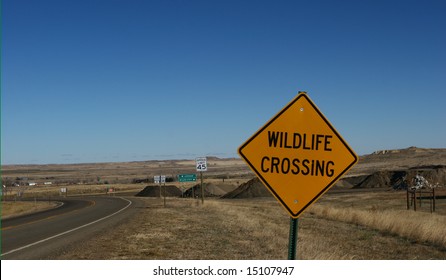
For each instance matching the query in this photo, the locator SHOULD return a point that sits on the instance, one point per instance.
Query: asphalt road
(43, 235)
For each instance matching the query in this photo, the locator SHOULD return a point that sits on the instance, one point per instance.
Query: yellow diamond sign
(298, 155)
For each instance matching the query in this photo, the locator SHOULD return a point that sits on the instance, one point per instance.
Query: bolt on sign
(298, 155)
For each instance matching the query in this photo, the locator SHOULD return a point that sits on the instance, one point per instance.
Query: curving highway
(45, 234)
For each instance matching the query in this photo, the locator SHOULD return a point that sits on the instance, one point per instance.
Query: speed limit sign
(201, 164)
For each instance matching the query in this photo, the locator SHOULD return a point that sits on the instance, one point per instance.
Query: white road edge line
(71, 230)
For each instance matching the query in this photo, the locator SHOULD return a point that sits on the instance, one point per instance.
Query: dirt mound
(154, 191)
(380, 179)
(350, 182)
(210, 190)
(397, 180)
(252, 188)
(219, 189)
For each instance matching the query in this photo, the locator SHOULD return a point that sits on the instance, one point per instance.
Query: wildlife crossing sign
(298, 155)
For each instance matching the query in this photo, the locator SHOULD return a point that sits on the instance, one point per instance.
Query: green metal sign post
(292, 244)
(201, 187)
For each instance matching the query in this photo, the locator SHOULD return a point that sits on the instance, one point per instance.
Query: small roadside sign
(187, 177)
(63, 191)
(157, 179)
(298, 155)
(201, 164)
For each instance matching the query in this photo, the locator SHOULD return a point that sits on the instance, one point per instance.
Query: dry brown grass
(240, 229)
(420, 226)
(185, 229)
(15, 208)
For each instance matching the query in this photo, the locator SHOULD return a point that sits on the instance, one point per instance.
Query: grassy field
(15, 208)
(385, 212)
(258, 229)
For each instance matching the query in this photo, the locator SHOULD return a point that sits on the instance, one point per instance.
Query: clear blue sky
(104, 80)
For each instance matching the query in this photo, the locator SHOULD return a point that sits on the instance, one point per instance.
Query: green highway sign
(187, 177)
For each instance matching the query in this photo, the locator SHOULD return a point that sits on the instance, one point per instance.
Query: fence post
(407, 198)
(431, 198)
(414, 200)
(421, 196)
(433, 194)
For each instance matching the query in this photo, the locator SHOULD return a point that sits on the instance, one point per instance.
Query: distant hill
(400, 159)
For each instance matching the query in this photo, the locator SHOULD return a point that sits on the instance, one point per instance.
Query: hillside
(401, 159)
(397, 169)
(393, 169)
